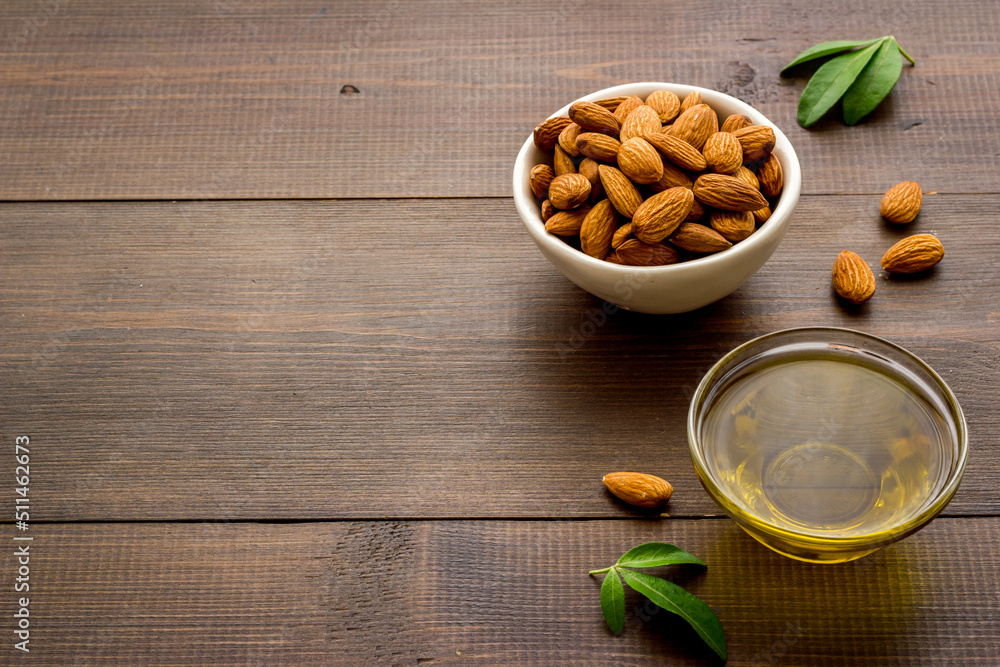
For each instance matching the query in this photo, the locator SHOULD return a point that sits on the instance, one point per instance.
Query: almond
(665, 104)
(548, 210)
(672, 178)
(734, 226)
(853, 278)
(562, 163)
(588, 168)
(748, 177)
(757, 141)
(693, 237)
(638, 488)
(569, 191)
(680, 152)
(621, 235)
(598, 146)
(693, 99)
(640, 161)
(735, 122)
(539, 178)
(761, 215)
(597, 229)
(696, 125)
(697, 211)
(547, 132)
(657, 217)
(723, 153)
(641, 120)
(611, 103)
(770, 176)
(901, 203)
(913, 254)
(636, 253)
(567, 223)
(727, 192)
(594, 118)
(612, 258)
(620, 190)
(567, 139)
(629, 105)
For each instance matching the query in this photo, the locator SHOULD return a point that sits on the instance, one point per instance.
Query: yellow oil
(826, 447)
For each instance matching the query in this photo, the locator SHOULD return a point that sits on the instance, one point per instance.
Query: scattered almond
(901, 203)
(853, 279)
(913, 254)
(638, 488)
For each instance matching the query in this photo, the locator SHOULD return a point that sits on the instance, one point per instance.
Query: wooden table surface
(300, 390)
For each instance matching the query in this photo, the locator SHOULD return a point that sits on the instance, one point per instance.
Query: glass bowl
(827, 444)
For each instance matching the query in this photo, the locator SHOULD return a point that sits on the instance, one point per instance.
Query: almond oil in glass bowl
(823, 451)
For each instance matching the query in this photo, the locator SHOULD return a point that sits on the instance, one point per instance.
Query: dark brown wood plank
(237, 99)
(369, 359)
(493, 592)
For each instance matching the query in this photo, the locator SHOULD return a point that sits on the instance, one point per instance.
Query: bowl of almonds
(657, 197)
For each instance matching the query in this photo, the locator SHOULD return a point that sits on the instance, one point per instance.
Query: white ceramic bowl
(676, 288)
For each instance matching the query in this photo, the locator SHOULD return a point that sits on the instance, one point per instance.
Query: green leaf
(654, 554)
(876, 81)
(826, 49)
(613, 601)
(676, 600)
(830, 82)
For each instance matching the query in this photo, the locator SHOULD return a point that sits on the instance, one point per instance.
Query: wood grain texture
(242, 99)
(494, 592)
(370, 359)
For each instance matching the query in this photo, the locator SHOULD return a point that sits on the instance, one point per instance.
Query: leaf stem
(905, 54)
(607, 569)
